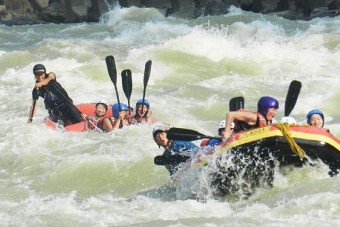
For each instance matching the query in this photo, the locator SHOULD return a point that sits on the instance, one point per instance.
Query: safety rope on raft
(284, 128)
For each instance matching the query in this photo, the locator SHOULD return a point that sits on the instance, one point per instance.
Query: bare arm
(248, 117)
(44, 82)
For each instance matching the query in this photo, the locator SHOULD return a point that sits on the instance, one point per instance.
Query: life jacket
(243, 126)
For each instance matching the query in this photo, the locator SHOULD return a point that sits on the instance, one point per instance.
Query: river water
(55, 178)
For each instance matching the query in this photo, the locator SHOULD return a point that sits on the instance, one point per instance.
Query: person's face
(100, 110)
(39, 76)
(161, 139)
(316, 120)
(271, 113)
(142, 109)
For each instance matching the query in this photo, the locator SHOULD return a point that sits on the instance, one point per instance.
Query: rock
(71, 11)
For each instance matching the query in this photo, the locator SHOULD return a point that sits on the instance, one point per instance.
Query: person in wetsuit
(59, 105)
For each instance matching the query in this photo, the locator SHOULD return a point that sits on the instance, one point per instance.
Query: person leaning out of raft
(99, 121)
(143, 113)
(245, 120)
(56, 99)
(316, 118)
(121, 115)
(183, 150)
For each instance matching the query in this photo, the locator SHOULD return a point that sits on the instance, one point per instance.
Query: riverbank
(20, 12)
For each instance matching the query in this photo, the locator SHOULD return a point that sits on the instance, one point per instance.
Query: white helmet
(103, 102)
(222, 125)
(288, 120)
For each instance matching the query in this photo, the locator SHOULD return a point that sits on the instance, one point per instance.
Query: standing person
(245, 120)
(316, 118)
(183, 149)
(143, 113)
(99, 120)
(56, 99)
(121, 118)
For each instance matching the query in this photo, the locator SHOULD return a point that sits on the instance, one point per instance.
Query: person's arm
(50, 76)
(248, 117)
(118, 120)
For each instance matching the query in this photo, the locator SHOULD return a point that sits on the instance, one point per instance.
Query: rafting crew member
(99, 121)
(183, 150)
(120, 112)
(56, 99)
(216, 141)
(245, 120)
(316, 118)
(143, 113)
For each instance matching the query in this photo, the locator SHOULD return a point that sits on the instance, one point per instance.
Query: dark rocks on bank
(19, 12)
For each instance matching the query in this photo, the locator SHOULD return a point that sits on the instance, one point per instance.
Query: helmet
(158, 129)
(103, 102)
(140, 102)
(312, 112)
(265, 103)
(39, 68)
(288, 120)
(222, 126)
(115, 108)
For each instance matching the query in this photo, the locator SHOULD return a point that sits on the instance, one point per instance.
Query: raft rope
(284, 128)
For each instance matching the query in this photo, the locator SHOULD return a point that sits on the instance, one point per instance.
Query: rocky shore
(20, 12)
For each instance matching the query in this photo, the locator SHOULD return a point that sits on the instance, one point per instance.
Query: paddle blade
(162, 160)
(236, 103)
(184, 134)
(127, 82)
(111, 68)
(147, 72)
(292, 95)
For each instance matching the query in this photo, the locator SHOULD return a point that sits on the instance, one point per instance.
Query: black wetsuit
(58, 103)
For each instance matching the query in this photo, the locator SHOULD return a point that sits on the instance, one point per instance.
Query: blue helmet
(315, 111)
(115, 109)
(140, 102)
(265, 103)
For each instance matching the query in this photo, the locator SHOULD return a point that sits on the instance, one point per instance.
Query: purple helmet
(312, 112)
(265, 103)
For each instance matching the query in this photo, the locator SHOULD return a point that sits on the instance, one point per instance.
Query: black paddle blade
(292, 96)
(111, 68)
(127, 82)
(162, 160)
(184, 134)
(147, 72)
(236, 103)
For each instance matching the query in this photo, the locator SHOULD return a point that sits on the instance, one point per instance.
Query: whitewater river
(54, 178)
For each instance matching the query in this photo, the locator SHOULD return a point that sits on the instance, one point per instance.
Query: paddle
(58, 91)
(147, 71)
(30, 118)
(127, 85)
(111, 68)
(292, 95)
(236, 103)
(162, 160)
(186, 135)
